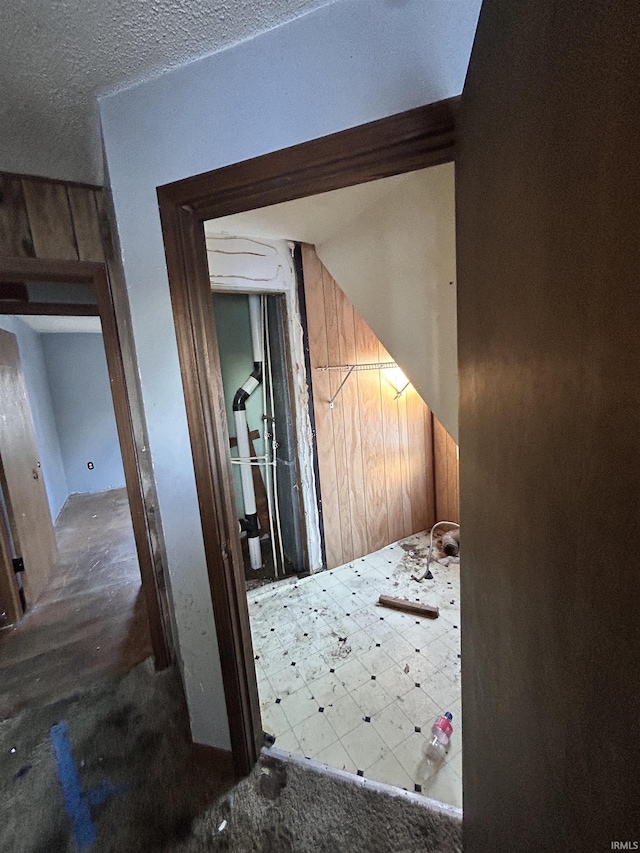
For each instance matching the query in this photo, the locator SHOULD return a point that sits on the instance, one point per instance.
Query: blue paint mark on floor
(76, 804)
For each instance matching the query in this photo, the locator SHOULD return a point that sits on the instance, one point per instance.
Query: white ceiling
(58, 56)
(314, 219)
(49, 325)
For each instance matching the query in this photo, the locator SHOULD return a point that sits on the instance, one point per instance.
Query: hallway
(90, 620)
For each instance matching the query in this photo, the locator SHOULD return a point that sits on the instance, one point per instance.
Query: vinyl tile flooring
(357, 686)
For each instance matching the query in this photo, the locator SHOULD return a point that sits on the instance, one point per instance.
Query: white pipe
(244, 452)
(426, 571)
(242, 433)
(256, 328)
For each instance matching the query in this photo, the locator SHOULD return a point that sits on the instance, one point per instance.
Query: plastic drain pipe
(250, 522)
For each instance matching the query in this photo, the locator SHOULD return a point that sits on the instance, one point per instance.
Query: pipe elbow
(256, 373)
(240, 400)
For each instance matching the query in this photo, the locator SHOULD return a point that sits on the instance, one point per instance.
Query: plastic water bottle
(441, 732)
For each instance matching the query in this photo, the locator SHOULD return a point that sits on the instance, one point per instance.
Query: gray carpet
(285, 808)
(112, 769)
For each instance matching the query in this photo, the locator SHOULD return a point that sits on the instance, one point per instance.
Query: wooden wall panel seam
(376, 472)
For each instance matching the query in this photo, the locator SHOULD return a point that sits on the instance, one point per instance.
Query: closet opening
(345, 471)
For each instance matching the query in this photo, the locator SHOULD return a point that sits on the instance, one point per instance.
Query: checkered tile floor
(355, 685)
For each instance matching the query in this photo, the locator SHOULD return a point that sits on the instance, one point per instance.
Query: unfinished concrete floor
(90, 619)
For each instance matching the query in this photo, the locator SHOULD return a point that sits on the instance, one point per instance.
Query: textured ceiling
(57, 56)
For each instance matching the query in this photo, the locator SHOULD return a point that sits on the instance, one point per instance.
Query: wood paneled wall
(375, 452)
(445, 455)
(53, 220)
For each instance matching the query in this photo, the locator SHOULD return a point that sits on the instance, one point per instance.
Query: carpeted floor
(284, 807)
(112, 769)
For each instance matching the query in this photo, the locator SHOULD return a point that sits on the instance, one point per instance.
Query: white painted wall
(83, 408)
(349, 63)
(396, 263)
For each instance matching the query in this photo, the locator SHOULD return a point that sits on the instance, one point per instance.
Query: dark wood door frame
(83, 273)
(401, 143)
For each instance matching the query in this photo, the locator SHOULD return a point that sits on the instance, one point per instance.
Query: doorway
(90, 614)
(413, 140)
(252, 329)
(340, 679)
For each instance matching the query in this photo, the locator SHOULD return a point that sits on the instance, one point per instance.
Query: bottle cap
(449, 715)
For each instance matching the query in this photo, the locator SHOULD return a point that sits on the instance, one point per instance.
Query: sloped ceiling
(58, 56)
(390, 246)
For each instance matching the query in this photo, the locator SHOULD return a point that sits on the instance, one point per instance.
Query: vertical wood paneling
(392, 457)
(431, 462)
(421, 471)
(371, 431)
(446, 474)
(15, 234)
(374, 452)
(338, 414)
(353, 444)
(50, 220)
(321, 387)
(405, 465)
(86, 227)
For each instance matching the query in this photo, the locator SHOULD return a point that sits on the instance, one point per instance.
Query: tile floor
(355, 685)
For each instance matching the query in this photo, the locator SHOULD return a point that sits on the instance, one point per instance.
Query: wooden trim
(80, 272)
(14, 290)
(19, 176)
(9, 595)
(218, 761)
(48, 309)
(48, 269)
(406, 142)
(412, 140)
(198, 352)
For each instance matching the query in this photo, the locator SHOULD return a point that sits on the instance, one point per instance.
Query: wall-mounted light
(397, 379)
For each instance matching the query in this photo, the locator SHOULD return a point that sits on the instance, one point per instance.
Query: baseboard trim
(213, 758)
(452, 812)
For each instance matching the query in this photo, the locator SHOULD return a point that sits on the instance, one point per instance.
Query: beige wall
(396, 263)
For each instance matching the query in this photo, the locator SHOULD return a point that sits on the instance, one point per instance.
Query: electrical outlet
(90, 466)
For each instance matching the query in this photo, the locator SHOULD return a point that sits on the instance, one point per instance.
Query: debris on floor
(409, 606)
(366, 678)
(287, 807)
